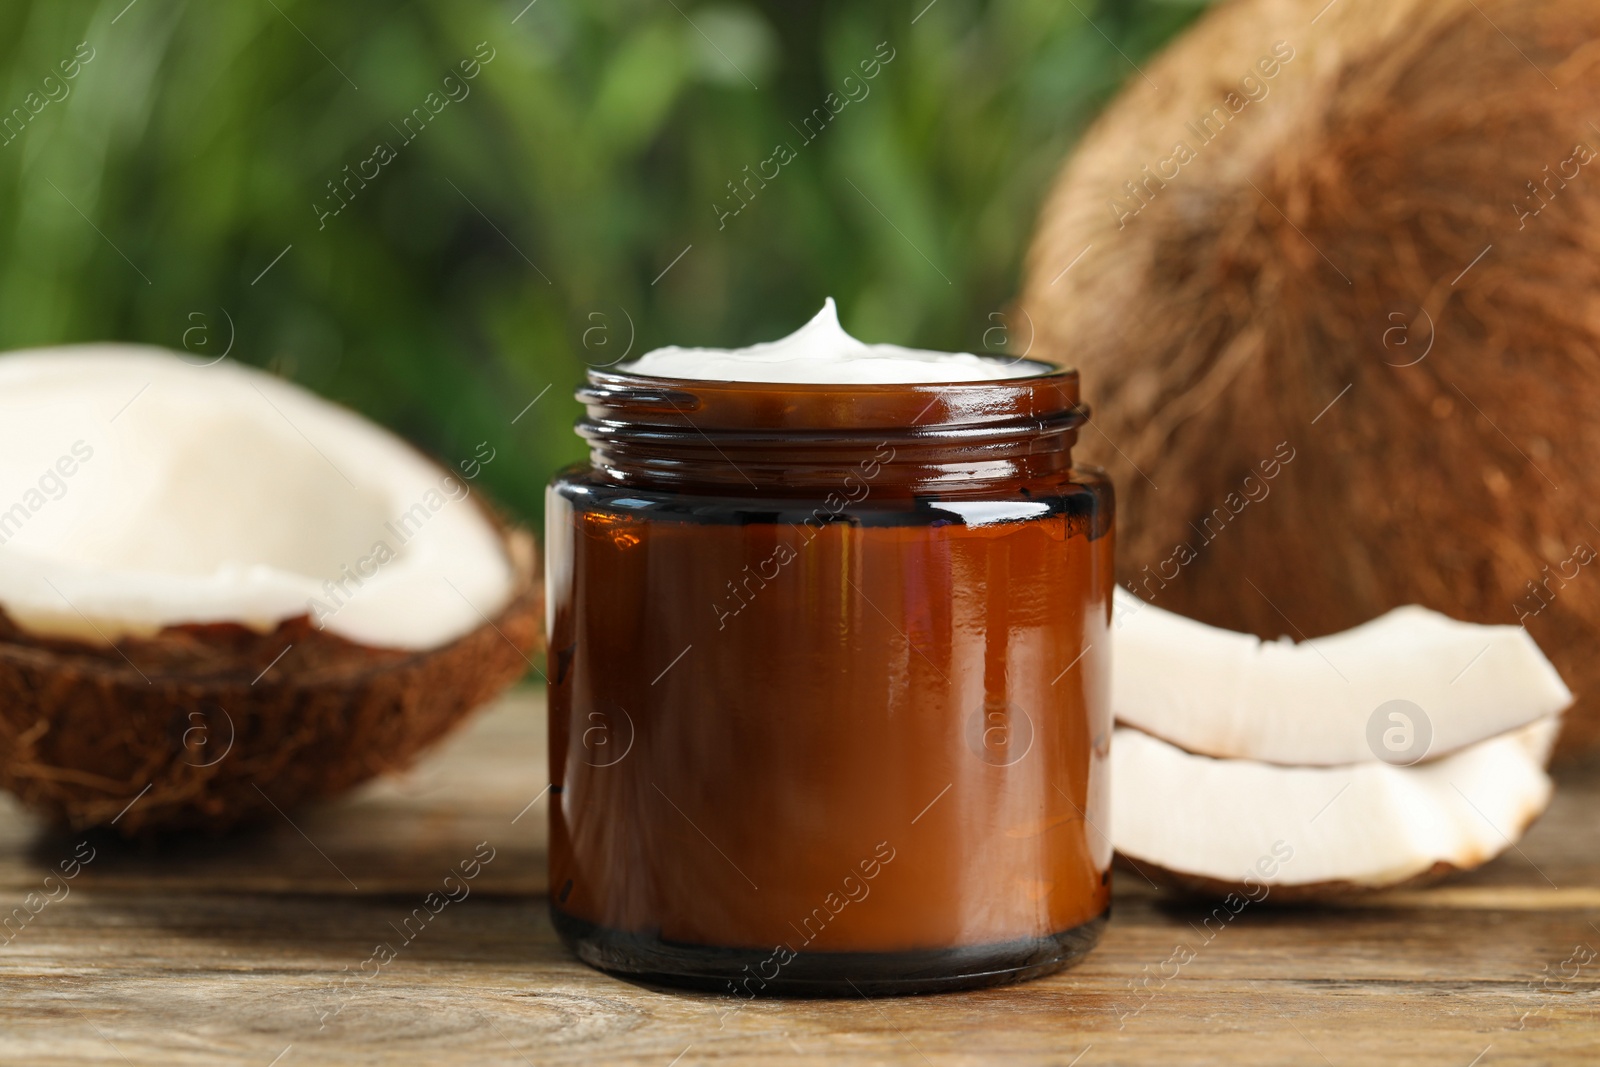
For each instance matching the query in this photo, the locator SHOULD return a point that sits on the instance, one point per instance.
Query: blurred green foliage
(522, 230)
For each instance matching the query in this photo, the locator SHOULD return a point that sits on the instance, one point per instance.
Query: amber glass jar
(828, 685)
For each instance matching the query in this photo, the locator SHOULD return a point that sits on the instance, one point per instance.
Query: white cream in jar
(821, 352)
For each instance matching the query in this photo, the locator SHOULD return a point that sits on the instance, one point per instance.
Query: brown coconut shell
(1340, 272)
(209, 726)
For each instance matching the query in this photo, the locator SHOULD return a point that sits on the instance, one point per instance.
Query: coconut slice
(1216, 825)
(1327, 701)
(220, 593)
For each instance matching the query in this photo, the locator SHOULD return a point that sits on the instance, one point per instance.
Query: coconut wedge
(221, 594)
(1313, 703)
(1215, 825)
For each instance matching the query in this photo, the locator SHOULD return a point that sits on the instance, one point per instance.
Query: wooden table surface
(250, 950)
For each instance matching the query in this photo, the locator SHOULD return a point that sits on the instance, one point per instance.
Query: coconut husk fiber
(1350, 270)
(210, 726)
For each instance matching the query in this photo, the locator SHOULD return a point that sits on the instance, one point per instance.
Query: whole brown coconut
(1336, 311)
(212, 726)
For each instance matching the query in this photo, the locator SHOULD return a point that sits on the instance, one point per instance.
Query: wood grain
(243, 949)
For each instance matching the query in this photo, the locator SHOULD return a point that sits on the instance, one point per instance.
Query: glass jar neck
(766, 438)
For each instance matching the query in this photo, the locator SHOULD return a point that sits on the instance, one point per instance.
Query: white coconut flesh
(140, 490)
(1230, 694)
(1371, 824)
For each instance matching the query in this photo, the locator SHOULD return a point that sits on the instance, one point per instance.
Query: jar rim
(637, 400)
(1046, 369)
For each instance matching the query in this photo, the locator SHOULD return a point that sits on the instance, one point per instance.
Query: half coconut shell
(210, 726)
